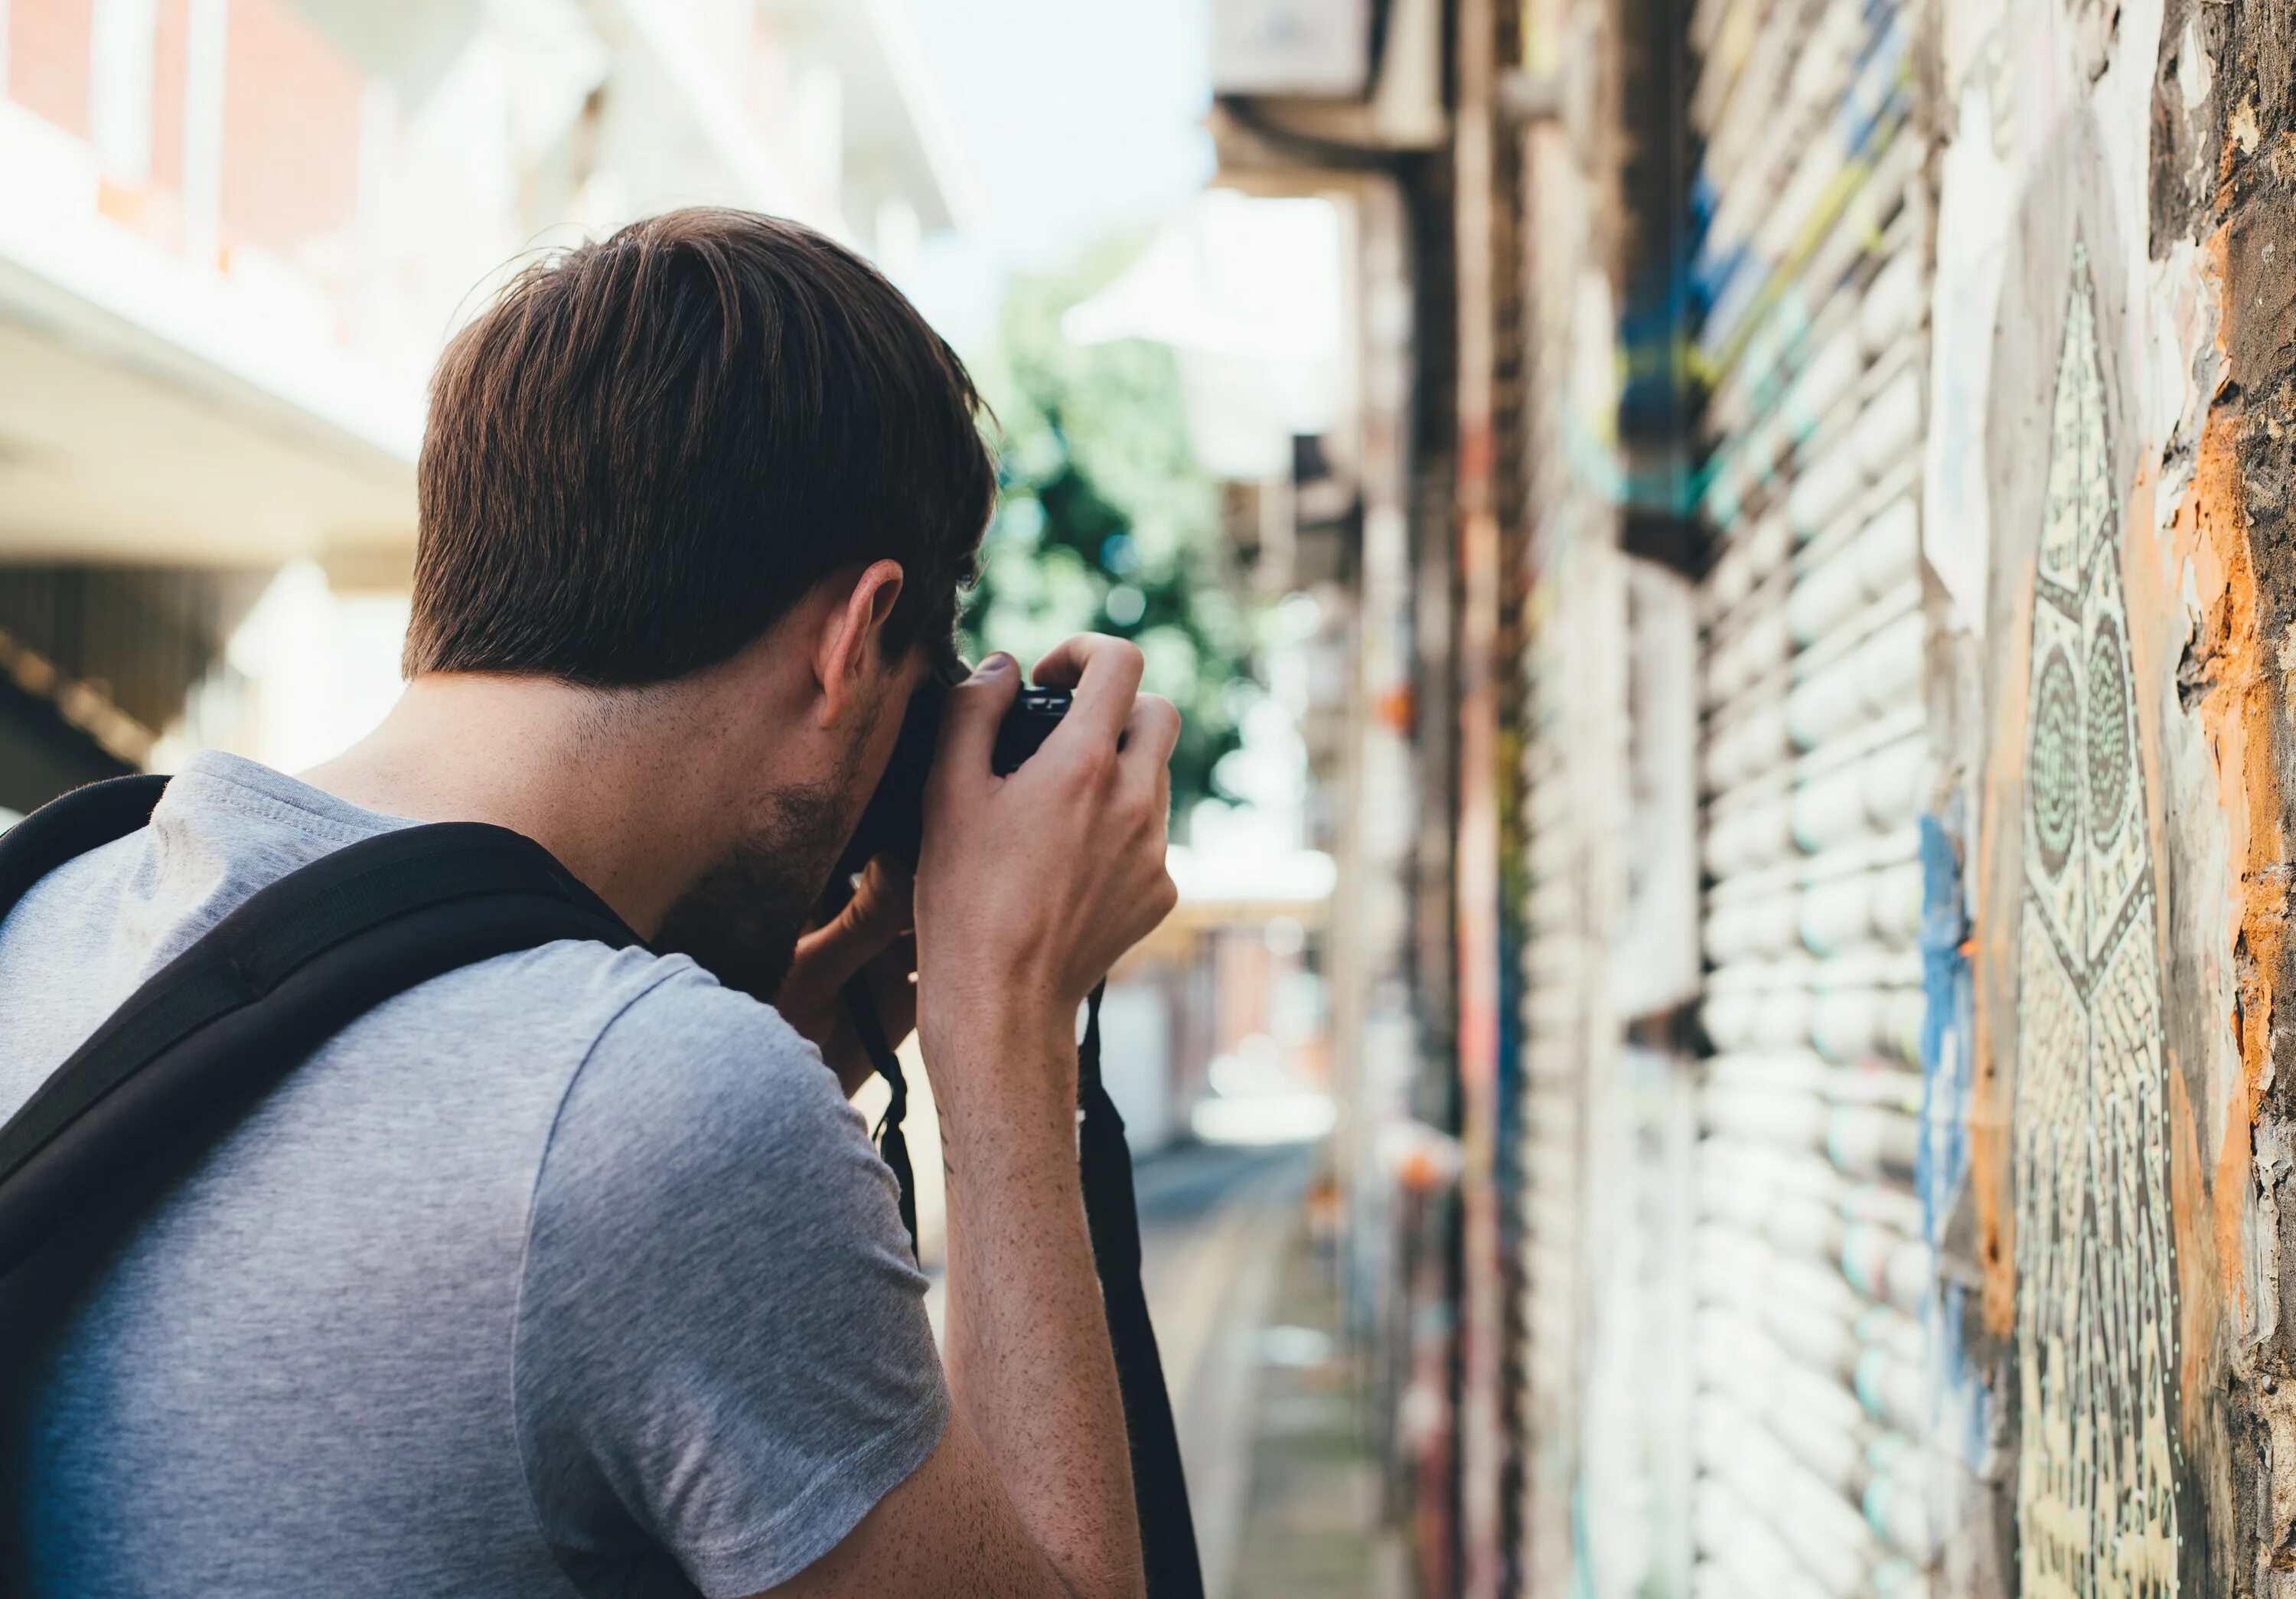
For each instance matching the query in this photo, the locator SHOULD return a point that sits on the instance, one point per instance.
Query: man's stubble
(741, 918)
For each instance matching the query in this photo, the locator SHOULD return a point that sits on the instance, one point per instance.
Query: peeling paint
(2198, 1294)
(2276, 1406)
(2273, 1165)
(2225, 677)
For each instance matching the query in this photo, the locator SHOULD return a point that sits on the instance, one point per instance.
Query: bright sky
(1078, 117)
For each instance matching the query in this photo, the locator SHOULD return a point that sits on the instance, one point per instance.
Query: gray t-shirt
(571, 1271)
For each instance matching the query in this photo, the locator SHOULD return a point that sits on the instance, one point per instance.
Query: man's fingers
(1152, 731)
(1104, 672)
(975, 707)
(873, 921)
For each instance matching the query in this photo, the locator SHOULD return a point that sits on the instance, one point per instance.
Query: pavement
(1284, 1494)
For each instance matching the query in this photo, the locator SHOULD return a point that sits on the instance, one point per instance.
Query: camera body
(893, 822)
(1026, 726)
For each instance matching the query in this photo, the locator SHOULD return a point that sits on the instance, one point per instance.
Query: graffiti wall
(2111, 587)
(1986, 1086)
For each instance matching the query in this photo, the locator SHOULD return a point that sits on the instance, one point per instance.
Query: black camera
(893, 822)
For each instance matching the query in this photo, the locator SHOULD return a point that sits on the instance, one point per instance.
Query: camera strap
(1111, 1210)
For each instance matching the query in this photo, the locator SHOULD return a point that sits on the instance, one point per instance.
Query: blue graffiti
(1959, 1401)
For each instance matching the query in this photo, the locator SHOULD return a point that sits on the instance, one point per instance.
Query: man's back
(567, 1268)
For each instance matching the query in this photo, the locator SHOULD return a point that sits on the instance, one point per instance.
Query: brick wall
(48, 60)
(291, 114)
(170, 58)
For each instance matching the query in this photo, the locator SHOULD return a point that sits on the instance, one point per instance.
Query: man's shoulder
(590, 993)
(661, 1002)
(704, 1141)
(650, 1044)
(671, 1063)
(666, 1022)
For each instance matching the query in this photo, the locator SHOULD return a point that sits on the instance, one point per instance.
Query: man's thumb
(976, 707)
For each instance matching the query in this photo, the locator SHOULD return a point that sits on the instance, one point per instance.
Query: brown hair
(649, 448)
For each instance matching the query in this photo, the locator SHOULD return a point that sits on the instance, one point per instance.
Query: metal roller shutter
(1811, 1269)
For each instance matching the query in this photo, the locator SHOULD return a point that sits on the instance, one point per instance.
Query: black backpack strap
(1160, 1487)
(194, 1049)
(86, 818)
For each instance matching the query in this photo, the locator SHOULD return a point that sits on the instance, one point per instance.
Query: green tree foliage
(1106, 523)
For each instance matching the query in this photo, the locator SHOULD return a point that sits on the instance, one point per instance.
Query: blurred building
(234, 235)
(1811, 779)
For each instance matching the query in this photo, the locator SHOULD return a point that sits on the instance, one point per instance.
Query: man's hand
(872, 934)
(1033, 884)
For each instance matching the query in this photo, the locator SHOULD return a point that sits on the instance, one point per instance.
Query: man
(573, 1271)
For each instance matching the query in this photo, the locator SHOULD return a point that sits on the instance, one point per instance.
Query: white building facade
(234, 235)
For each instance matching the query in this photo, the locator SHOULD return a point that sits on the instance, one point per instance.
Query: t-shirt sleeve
(721, 1359)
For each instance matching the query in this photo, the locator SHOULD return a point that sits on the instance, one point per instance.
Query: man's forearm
(1027, 1350)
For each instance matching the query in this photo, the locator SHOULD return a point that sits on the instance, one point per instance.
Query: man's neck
(624, 802)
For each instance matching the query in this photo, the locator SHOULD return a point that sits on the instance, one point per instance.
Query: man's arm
(1031, 886)
(1046, 1509)
(950, 1531)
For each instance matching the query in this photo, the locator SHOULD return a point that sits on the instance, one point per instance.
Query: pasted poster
(2096, 1485)
(2108, 1241)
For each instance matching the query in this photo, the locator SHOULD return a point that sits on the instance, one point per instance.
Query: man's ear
(849, 655)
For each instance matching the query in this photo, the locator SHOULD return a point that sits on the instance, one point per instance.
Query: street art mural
(2096, 1485)
(2113, 374)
